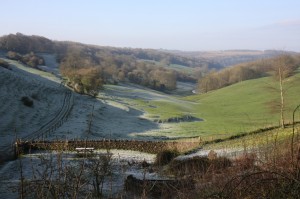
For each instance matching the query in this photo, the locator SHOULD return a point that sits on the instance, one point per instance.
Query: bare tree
(99, 168)
(55, 177)
(208, 82)
(284, 66)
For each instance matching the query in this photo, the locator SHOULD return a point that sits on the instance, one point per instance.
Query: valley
(150, 99)
(131, 111)
(221, 129)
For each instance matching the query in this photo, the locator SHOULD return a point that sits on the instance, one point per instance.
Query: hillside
(37, 105)
(242, 107)
(249, 70)
(47, 95)
(187, 64)
(18, 118)
(230, 57)
(147, 67)
(246, 105)
(25, 44)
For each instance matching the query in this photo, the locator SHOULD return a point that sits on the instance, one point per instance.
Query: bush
(198, 165)
(13, 55)
(84, 80)
(30, 59)
(27, 101)
(165, 157)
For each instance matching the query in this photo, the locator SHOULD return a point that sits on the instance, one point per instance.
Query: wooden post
(15, 146)
(18, 149)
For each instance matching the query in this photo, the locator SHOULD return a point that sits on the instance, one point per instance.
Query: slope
(245, 106)
(18, 119)
(242, 107)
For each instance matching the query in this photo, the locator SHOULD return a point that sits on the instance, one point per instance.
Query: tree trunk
(281, 98)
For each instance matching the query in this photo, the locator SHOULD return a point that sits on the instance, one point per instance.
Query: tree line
(218, 79)
(30, 59)
(88, 67)
(87, 70)
(25, 44)
(78, 63)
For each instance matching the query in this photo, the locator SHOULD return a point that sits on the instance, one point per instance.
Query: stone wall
(135, 145)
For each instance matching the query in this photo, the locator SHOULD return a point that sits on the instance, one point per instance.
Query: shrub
(30, 59)
(85, 80)
(147, 188)
(165, 157)
(198, 165)
(13, 55)
(27, 101)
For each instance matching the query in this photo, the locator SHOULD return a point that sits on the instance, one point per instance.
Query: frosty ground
(112, 115)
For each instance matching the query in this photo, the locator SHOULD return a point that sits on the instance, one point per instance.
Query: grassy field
(242, 107)
(31, 70)
(164, 109)
(254, 141)
(245, 106)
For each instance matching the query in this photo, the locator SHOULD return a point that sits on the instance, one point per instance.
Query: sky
(190, 25)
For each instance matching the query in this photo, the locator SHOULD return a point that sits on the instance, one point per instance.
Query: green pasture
(163, 109)
(242, 107)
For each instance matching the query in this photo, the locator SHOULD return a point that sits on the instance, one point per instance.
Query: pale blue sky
(168, 24)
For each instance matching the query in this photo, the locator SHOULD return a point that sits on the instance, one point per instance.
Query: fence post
(292, 142)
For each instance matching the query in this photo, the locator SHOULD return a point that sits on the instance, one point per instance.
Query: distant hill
(25, 44)
(246, 71)
(211, 59)
(156, 69)
(226, 58)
